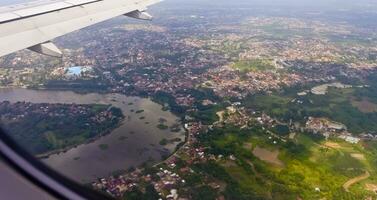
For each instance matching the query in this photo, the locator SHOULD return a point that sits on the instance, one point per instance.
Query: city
(273, 105)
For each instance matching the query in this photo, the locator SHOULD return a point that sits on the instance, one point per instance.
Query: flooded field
(133, 143)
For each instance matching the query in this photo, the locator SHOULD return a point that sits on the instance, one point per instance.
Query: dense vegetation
(336, 105)
(40, 132)
(168, 101)
(149, 194)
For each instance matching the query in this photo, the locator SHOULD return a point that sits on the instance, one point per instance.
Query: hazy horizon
(337, 4)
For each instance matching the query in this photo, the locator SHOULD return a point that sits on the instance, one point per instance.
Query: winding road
(357, 179)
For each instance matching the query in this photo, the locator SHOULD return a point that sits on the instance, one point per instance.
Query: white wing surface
(33, 25)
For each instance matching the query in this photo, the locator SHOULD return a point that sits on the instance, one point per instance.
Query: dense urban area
(275, 105)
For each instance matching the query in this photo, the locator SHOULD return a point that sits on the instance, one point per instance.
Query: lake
(129, 145)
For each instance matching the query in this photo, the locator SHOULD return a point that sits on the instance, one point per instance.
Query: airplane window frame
(42, 176)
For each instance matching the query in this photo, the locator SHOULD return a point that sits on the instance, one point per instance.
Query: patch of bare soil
(333, 145)
(220, 114)
(371, 187)
(364, 105)
(358, 156)
(248, 146)
(268, 156)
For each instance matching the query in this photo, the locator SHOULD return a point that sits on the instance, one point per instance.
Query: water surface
(134, 142)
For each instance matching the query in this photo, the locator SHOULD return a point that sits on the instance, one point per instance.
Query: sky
(8, 2)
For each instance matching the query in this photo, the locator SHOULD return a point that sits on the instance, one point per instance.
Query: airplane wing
(34, 24)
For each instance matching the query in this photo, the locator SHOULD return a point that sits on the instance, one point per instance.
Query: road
(357, 179)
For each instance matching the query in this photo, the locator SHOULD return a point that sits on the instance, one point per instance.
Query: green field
(337, 105)
(309, 163)
(254, 65)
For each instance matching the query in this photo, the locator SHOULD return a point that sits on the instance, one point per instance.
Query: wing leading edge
(33, 25)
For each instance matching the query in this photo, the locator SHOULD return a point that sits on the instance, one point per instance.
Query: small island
(47, 128)
(162, 126)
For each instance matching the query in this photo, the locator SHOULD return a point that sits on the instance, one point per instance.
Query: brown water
(133, 143)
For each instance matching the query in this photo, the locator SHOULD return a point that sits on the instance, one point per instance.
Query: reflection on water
(134, 142)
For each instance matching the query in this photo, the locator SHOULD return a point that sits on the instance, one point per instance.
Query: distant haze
(284, 2)
(324, 4)
(308, 4)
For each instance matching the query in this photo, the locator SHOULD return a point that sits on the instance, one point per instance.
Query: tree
(204, 193)
(151, 193)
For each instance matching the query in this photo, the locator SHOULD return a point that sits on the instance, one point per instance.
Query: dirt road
(357, 179)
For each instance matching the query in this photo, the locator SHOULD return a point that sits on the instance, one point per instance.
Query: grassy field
(313, 168)
(254, 65)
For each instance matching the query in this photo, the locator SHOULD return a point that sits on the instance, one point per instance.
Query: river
(129, 145)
